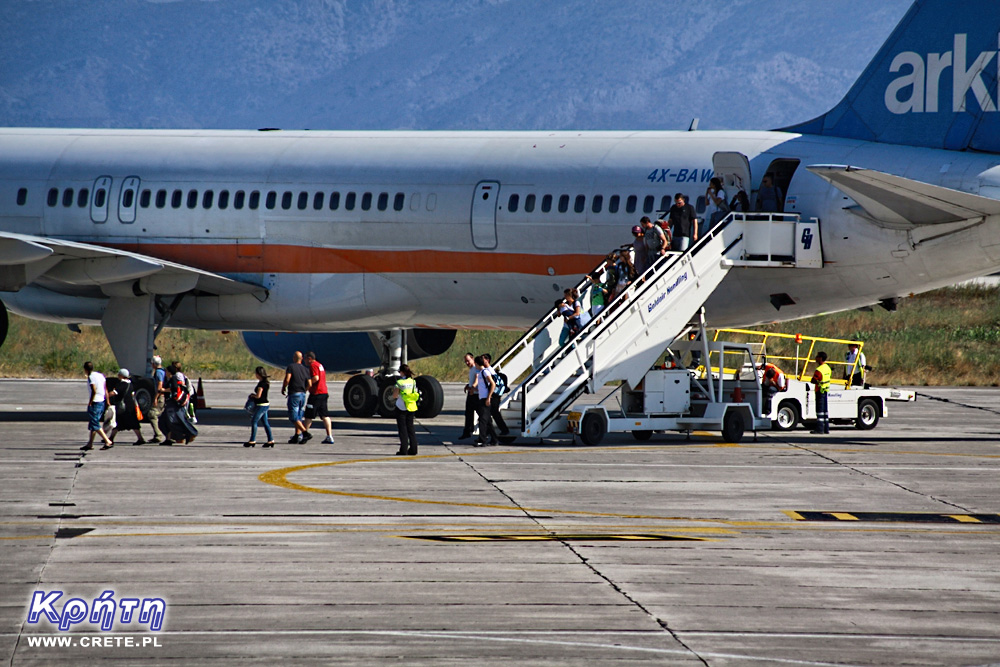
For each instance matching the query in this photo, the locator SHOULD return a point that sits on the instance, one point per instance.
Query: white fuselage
(410, 242)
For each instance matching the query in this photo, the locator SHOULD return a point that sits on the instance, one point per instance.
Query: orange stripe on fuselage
(265, 258)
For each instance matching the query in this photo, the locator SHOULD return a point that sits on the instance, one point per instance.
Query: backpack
(501, 383)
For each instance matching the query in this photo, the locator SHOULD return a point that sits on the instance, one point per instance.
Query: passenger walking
(471, 396)
(493, 399)
(127, 413)
(318, 399)
(639, 250)
(189, 390)
(406, 395)
(487, 434)
(683, 223)
(174, 421)
(716, 204)
(295, 383)
(97, 385)
(655, 242)
(159, 396)
(603, 280)
(261, 406)
(821, 378)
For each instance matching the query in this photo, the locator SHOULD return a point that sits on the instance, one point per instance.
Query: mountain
(433, 64)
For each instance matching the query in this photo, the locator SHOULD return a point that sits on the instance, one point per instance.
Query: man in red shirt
(316, 405)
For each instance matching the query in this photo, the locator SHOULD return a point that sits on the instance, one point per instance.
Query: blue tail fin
(933, 83)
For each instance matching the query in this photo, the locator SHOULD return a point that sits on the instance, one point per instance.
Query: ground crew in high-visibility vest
(821, 378)
(773, 382)
(406, 395)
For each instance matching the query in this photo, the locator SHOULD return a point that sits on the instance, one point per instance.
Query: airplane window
(145, 198)
(192, 199)
(647, 204)
(239, 199)
(383, 201)
(630, 203)
(512, 203)
(254, 200)
(580, 203)
(206, 199)
(127, 197)
(223, 199)
(366, 201)
(271, 200)
(53, 197)
(397, 203)
(349, 201)
(82, 197)
(334, 201)
(286, 200)
(546, 203)
(303, 201)
(318, 201)
(563, 203)
(415, 201)
(529, 203)
(432, 201)
(22, 196)
(598, 203)
(99, 197)
(161, 198)
(68, 197)
(665, 203)
(175, 199)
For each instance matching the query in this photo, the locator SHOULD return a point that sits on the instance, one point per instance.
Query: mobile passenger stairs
(624, 341)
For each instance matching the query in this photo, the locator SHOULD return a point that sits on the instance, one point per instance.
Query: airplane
(374, 247)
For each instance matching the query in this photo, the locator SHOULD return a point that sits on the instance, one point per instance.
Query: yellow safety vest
(825, 372)
(408, 392)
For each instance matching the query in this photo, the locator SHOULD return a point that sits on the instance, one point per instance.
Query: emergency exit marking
(895, 517)
(555, 538)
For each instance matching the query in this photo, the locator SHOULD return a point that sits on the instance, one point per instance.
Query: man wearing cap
(655, 241)
(639, 250)
(159, 397)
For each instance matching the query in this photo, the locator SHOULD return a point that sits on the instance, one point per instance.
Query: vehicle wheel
(787, 416)
(732, 426)
(642, 436)
(4, 323)
(360, 396)
(592, 429)
(386, 404)
(143, 392)
(431, 399)
(868, 414)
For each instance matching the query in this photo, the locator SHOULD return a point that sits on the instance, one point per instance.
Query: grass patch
(947, 337)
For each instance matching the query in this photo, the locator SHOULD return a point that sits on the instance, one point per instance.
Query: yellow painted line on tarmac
(843, 516)
(50, 536)
(964, 518)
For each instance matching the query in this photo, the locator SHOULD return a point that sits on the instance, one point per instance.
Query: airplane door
(127, 200)
(99, 201)
(734, 170)
(484, 215)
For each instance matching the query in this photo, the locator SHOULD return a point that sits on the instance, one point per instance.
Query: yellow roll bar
(801, 361)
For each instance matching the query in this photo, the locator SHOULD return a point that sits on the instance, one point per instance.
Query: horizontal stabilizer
(903, 202)
(74, 264)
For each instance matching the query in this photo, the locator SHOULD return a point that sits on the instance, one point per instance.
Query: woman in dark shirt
(261, 405)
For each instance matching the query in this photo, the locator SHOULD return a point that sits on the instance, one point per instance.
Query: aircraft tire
(431, 400)
(385, 404)
(143, 390)
(360, 396)
(4, 323)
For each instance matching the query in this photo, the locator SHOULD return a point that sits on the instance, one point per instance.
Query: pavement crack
(586, 563)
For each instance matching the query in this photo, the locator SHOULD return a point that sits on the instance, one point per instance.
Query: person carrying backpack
(497, 383)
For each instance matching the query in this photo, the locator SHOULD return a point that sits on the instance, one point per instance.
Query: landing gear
(365, 396)
(4, 323)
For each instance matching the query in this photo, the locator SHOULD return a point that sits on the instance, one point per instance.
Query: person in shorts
(295, 383)
(316, 408)
(97, 385)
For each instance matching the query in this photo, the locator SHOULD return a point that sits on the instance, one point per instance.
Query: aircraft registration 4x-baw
(342, 241)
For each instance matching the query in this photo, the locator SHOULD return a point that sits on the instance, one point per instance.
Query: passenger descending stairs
(625, 340)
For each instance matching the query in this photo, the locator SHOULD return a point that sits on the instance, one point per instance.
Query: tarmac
(858, 548)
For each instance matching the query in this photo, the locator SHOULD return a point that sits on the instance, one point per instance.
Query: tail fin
(933, 83)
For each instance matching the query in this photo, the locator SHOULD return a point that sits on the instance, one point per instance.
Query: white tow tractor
(724, 398)
(851, 399)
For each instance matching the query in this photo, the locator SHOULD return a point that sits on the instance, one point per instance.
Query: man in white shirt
(487, 434)
(471, 397)
(857, 378)
(98, 386)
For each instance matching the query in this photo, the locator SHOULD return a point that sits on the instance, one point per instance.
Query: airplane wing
(81, 268)
(903, 202)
